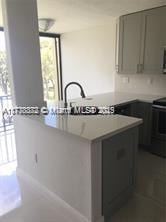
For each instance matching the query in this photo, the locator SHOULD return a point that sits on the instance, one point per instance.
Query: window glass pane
(4, 77)
(49, 69)
(5, 98)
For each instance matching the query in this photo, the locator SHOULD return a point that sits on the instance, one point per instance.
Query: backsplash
(145, 84)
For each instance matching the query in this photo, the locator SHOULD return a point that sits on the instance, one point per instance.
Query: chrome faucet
(65, 92)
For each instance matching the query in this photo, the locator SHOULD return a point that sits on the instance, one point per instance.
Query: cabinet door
(144, 111)
(153, 41)
(129, 43)
(118, 159)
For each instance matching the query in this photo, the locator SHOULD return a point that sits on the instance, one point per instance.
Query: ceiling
(71, 15)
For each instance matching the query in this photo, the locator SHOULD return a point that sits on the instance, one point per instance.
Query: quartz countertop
(91, 128)
(97, 127)
(115, 98)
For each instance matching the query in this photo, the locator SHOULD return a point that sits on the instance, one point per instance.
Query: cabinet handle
(117, 68)
(138, 68)
(120, 153)
(141, 67)
(164, 61)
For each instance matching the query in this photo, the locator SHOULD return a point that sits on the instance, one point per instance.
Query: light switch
(150, 81)
(36, 158)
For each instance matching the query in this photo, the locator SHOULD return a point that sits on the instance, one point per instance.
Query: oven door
(159, 122)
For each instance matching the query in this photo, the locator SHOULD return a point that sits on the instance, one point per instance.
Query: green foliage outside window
(4, 75)
(48, 59)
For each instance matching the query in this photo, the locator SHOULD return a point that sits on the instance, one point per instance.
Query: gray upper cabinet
(129, 43)
(153, 41)
(142, 39)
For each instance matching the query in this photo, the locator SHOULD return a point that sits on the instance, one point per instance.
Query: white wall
(64, 162)
(88, 57)
(146, 84)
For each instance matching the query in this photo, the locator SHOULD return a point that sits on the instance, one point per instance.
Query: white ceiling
(71, 15)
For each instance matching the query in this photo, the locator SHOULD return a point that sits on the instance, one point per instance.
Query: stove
(159, 127)
(160, 102)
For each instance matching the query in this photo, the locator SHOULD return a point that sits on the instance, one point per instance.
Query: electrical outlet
(126, 79)
(150, 81)
(36, 158)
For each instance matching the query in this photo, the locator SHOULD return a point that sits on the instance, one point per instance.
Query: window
(51, 67)
(51, 73)
(5, 98)
(4, 77)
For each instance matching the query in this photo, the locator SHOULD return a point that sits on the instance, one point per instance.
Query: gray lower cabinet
(118, 170)
(143, 110)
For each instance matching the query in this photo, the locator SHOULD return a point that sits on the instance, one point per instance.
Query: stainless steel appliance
(159, 127)
(164, 61)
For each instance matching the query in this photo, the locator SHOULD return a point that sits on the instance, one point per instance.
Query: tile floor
(10, 196)
(149, 201)
(151, 177)
(31, 206)
(20, 202)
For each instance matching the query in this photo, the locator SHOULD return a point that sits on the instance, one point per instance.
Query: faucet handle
(82, 94)
(65, 104)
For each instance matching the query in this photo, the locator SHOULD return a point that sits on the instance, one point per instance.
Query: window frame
(57, 50)
(59, 67)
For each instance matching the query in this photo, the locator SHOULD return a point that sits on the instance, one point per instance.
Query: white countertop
(97, 127)
(115, 98)
(89, 127)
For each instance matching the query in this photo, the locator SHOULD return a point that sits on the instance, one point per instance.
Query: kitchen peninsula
(87, 161)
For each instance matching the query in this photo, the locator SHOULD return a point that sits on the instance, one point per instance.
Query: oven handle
(159, 107)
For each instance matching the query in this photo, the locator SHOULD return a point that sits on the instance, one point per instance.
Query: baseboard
(51, 196)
